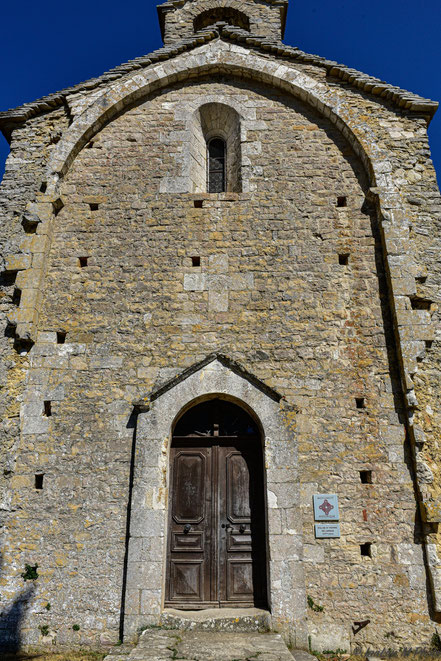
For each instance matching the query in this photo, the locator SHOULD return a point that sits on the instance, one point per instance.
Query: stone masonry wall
(291, 285)
(30, 149)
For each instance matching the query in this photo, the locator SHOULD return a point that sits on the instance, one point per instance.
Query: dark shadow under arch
(226, 14)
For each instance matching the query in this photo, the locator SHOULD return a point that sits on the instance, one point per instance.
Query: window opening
(39, 480)
(61, 337)
(366, 477)
(216, 165)
(365, 549)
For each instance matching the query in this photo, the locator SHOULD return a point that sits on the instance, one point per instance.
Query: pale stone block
(47, 337)
(195, 281)
(218, 263)
(218, 301)
(150, 602)
(18, 262)
(314, 553)
(35, 425)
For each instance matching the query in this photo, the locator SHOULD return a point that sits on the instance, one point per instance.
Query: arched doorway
(216, 553)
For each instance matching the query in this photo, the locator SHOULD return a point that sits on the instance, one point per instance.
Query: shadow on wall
(11, 619)
(4, 153)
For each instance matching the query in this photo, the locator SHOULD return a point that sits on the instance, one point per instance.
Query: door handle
(227, 526)
(242, 528)
(187, 528)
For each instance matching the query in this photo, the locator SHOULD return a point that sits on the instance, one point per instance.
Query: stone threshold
(217, 619)
(178, 645)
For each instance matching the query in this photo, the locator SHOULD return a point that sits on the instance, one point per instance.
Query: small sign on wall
(326, 507)
(327, 530)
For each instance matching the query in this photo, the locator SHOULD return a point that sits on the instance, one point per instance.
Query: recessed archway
(228, 14)
(214, 378)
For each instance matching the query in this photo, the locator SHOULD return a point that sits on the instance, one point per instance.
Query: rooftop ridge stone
(369, 84)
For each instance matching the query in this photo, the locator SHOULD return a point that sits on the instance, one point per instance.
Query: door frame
(144, 581)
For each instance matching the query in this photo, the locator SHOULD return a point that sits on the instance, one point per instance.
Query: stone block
(18, 262)
(195, 281)
(218, 301)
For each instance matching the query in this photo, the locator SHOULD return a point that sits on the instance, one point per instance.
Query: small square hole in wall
(29, 226)
(10, 330)
(57, 206)
(343, 259)
(195, 261)
(16, 296)
(342, 201)
(365, 549)
(93, 206)
(61, 337)
(8, 278)
(43, 187)
(82, 261)
(419, 303)
(47, 409)
(360, 402)
(198, 204)
(366, 477)
(39, 480)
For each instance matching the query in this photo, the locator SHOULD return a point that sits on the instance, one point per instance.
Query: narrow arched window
(216, 148)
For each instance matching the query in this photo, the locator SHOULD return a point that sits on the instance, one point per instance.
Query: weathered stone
(203, 646)
(316, 273)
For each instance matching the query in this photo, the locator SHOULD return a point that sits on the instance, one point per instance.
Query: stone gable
(305, 292)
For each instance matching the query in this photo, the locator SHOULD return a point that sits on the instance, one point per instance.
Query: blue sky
(51, 45)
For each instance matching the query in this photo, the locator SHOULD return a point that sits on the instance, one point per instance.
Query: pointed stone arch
(219, 377)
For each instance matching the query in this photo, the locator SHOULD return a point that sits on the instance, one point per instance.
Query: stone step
(215, 619)
(174, 645)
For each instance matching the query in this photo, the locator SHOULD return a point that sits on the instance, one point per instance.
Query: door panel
(240, 585)
(192, 541)
(189, 486)
(187, 580)
(189, 565)
(242, 558)
(216, 548)
(238, 486)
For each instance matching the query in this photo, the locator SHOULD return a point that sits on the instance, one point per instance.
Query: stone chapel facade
(220, 297)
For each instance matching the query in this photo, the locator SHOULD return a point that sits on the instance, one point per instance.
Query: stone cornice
(398, 97)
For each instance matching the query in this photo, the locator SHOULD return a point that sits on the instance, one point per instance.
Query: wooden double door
(216, 541)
